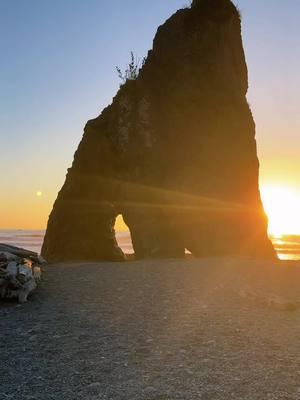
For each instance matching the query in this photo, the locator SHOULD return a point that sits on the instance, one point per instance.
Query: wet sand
(194, 329)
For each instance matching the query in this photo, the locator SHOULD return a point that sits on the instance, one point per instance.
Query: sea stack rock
(175, 154)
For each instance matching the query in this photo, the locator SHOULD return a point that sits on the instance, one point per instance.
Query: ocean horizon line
(287, 246)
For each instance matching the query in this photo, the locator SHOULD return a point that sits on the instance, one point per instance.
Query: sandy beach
(156, 330)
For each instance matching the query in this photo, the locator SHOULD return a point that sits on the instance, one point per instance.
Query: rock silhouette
(175, 154)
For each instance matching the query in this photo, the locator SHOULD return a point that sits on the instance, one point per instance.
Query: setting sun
(282, 205)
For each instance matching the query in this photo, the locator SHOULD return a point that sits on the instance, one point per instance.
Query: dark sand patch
(209, 329)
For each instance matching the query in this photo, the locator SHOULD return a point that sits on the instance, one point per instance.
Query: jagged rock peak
(216, 9)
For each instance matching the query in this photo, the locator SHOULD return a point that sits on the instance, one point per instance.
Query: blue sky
(57, 70)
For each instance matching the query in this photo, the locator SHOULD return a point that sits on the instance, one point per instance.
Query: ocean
(287, 246)
(33, 239)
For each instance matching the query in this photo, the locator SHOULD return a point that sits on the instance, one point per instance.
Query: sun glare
(282, 206)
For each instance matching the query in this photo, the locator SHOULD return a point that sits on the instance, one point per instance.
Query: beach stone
(94, 388)
(175, 154)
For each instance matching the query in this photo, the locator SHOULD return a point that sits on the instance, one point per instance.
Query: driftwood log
(20, 270)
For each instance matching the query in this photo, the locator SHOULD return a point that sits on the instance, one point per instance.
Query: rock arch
(175, 153)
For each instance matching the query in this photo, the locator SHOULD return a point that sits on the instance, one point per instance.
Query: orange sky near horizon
(281, 202)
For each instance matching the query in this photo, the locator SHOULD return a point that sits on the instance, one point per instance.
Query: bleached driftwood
(20, 270)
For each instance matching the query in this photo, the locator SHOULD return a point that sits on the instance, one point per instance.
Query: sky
(57, 71)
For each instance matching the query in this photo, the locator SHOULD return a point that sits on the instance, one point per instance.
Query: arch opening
(123, 236)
